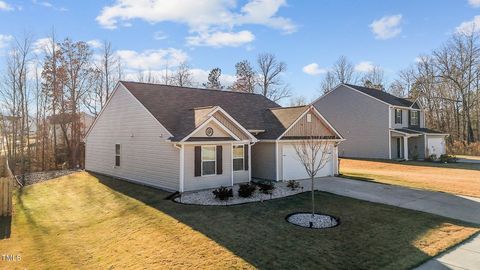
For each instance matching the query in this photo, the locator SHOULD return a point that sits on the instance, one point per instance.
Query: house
(377, 124)
(184, 139)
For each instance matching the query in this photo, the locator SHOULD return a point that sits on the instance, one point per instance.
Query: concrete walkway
(465, 256)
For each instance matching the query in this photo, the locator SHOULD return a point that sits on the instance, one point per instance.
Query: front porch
(407, 145)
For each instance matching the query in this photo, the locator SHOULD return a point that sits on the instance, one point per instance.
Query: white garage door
(436, 145)
(293, 168)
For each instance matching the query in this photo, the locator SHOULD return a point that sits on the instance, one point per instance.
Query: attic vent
(309, 117)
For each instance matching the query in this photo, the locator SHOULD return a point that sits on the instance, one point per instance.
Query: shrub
(223, 193)
(448, 158)
(246, 190)
(452, 159)
(432, 158)
(266, 188)
(292, 184)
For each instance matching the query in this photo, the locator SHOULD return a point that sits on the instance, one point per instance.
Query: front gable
(314, 127)
(310, 123)
(211, 130)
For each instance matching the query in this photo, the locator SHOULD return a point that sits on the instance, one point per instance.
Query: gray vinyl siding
(416, 145)
(146, 156)
(192, 182)
(362, 121)
(263, 160)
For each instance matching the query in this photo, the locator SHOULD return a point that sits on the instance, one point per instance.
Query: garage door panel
(293, 169)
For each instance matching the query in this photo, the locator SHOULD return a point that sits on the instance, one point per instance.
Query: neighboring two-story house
(377, 124)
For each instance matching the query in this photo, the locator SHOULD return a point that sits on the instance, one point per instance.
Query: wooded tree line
(50, 94)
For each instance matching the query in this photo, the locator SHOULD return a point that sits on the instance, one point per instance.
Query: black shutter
(409, 117)
(198, 161)
(245, 153)
(219, 159)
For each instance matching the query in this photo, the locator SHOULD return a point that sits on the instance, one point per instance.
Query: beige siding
(217, 131)
(192, 182)
(146, 156)
(231, 126)
(263, 160)
(315, 127)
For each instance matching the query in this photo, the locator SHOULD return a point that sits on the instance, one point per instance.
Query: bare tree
(374, 78)
(342, 71)
(183, 75)
(313, 152)
(270, 82)
(214, 79)
(298, 101)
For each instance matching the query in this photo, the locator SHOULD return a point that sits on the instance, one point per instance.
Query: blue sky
(388, 34)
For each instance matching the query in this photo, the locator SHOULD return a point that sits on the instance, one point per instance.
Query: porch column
(405, 147)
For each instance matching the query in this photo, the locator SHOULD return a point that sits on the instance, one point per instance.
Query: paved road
(465, 256)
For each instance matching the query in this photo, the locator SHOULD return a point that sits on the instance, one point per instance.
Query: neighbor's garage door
(293, 168)
(436, 145)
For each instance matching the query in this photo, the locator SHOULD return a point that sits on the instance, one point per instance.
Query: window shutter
(219, 159)
(198, 161)
(245, 153)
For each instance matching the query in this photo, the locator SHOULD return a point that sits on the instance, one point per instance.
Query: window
(398, 116)
(209, 161)
(309, 117)
(414, 118)
(117, 154)
(238, 158)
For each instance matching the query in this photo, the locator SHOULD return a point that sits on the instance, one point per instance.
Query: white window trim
(119, 155)
(401, 116)
(243, 157)
(417, 117)
(201, 157)
(309, 117)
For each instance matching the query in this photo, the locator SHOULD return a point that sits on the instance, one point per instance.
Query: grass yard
(457, 178)
(87, 221)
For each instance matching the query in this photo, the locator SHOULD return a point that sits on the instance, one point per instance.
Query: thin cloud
(469, 27)
(387, 27)
(313, 69)
(221, 39)
(5, 6)
(364, 66)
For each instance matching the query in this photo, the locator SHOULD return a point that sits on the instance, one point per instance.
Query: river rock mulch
(38, 177)
(206, 197)
(318, 221)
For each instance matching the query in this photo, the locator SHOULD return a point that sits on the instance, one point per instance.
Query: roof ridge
(290, 107)
(193, 88)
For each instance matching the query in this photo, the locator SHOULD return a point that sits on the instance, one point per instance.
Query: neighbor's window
(209, 162)
(117, 154)
(238, 158)
(309, 117)
(414, 118)
(398, 116)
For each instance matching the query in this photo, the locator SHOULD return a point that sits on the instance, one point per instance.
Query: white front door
(293, 169)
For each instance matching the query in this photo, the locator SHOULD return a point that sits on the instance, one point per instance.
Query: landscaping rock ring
(318, 221)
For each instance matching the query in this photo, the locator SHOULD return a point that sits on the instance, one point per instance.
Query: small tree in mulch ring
(313, 153)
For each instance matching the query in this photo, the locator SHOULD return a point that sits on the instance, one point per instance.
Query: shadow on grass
(371, 236)
(5, 227)
(458, 165)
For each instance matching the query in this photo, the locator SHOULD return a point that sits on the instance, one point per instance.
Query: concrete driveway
(464, 256)
(439, 203)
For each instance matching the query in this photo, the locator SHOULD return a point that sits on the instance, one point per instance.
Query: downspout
(182, 163)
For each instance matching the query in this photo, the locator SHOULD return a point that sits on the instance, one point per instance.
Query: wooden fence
(6, 188)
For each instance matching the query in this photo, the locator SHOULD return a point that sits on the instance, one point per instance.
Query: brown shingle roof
(174, 107)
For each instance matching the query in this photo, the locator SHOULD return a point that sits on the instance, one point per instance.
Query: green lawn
(88, 221)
